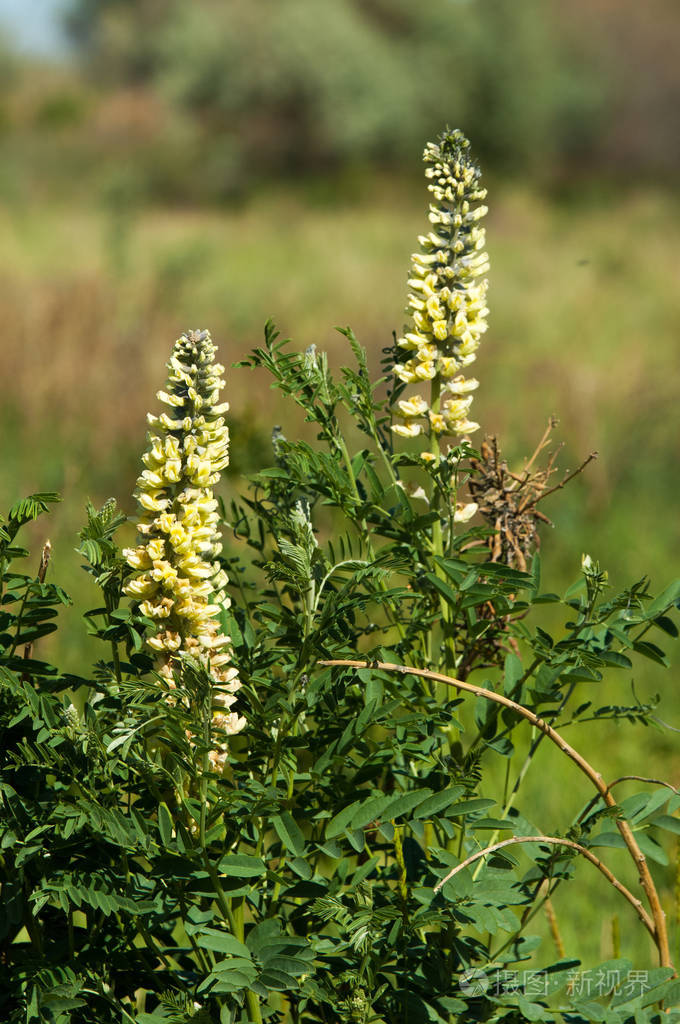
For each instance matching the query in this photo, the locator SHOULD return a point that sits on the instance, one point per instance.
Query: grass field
(585, 325)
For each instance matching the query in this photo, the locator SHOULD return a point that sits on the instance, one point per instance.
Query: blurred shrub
(61, 109)
(284, 85)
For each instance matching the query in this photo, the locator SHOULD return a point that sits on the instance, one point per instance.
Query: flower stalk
(447, 302)
(178, 582)
(447, 306)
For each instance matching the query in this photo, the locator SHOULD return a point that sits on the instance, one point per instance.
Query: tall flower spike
(178, 582)
(448, 295)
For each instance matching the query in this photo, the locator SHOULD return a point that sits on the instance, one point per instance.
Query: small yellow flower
(437, 422)
(413, 490)
(461, 385)
(456, 409)
(426, 370)
(464, 513)
(415, 406)
(407, 429)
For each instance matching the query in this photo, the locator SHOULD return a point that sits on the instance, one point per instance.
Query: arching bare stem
(660, 934)
(556, 841)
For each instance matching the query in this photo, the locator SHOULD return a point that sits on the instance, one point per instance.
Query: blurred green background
(169, 165)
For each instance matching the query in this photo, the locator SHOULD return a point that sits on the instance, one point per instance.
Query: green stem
(152, 947)
(449, 660)
(235, 921)
(366, 536)
(116, 661)
(289, 796)
(22, 608)
(536, 739)
(199, 953)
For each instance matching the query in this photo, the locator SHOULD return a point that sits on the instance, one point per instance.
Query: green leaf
(651, 848)
(470, 806)
(666, 625)
(651, 651)
(443, 588)
(165, 825)
(667, 822)
(241, 865)
(230, 976)
(615, 659)
(289, 833)
(654, 801)
(406, 802)
(33, 506)
(370, 810)
(609, 839)
(341, 820)
(221, 942)
(670, 596)
(514, 670)
(438, 801)
(530, 1011)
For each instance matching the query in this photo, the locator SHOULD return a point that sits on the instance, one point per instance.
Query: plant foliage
(353, 860)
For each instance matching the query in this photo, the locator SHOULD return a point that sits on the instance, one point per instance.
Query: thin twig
(551, 917)
(660, 932)
(556, 841)
(643, 778)
(624, 778)
(558, 487)
(552, 423)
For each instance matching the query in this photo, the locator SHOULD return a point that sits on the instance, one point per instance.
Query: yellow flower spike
(447, 292)
(177, 582)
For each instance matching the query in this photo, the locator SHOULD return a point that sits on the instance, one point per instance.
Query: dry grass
(584, 326)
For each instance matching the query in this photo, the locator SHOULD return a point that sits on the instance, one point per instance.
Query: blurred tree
(289, 84)
(262, 86)
(118, 37)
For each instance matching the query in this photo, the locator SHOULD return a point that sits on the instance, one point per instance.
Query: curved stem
(533, 749)
(624, 778)
(660, 932)
(556, 841)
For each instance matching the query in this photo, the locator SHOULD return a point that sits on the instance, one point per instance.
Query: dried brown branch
(660, 934)
(562, 483)
(508, 500)
(557, 841)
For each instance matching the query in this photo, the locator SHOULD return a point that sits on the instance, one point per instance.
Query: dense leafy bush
(285, 806)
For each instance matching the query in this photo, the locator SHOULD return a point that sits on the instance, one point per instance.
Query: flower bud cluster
(178, 582)
(448, 295)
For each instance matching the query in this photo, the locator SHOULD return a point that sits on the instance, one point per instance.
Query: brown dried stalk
(556, 841)
(508, 501)
(659, 934)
